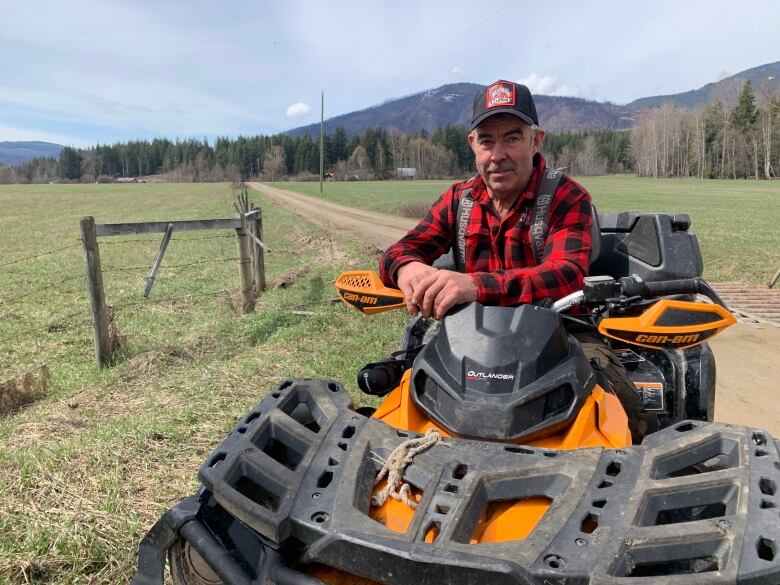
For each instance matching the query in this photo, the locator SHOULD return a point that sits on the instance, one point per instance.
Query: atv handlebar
(364, 291)
(600, 289)
(634, 286)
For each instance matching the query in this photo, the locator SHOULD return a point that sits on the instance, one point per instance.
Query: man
(495, 218)
(500, 268)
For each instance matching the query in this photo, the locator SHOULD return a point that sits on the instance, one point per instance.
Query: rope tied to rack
(393, 468)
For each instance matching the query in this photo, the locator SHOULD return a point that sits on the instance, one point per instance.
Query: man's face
(504, 147)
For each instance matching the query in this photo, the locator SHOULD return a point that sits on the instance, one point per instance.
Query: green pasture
(735, 221)
(92, 465)
(89, 468)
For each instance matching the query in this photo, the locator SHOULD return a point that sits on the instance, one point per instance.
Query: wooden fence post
(259, 266)
(97, 299)
(244, 261)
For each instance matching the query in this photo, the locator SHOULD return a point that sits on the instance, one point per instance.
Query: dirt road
(376, 229)
(746, 354)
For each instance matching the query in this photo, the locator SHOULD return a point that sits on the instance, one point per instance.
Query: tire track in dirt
(746, 353)
(376, 229)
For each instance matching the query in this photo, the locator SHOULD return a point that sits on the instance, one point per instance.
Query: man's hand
(408, 279)
(437, 293)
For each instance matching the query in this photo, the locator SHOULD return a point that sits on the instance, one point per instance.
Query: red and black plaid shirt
(498, 251)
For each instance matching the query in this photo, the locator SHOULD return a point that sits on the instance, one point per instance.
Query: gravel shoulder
(747, 391)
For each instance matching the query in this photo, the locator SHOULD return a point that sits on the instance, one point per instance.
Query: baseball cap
(504, 97)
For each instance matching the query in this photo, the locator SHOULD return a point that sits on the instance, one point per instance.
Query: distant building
(406, 172)
(128, 180)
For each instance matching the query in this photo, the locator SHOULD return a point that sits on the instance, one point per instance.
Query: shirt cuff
(488, 288)
(503, 290)
(398, 263)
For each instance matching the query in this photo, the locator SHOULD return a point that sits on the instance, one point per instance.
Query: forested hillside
(14, 153)
(452, 104)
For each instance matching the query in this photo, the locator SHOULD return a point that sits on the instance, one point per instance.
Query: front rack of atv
(291, 485)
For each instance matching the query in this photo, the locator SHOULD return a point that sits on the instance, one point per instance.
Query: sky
(102, 71)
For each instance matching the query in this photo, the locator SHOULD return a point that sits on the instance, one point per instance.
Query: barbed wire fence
(78, 285)
(21, 328)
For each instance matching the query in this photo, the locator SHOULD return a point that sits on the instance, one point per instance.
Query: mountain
(15, 153)
(762, 78)
(452, 104)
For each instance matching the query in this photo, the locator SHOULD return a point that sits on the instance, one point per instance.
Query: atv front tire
(188, 567)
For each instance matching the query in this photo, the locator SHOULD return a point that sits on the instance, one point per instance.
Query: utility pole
(322, 139)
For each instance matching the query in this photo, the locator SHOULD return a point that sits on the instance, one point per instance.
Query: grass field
(735, 221)
(89, 468)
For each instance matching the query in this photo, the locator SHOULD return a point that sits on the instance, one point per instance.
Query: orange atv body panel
(669, 324)
(601, 422)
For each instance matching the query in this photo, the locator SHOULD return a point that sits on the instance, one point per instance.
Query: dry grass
(413, 209)
(17, 392)
(289, 278)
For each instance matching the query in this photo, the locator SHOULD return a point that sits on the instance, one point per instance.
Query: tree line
(718, 141)
(375, 154)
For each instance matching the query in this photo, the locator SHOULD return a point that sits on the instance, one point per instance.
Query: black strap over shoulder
(539, 224)
(465, 206)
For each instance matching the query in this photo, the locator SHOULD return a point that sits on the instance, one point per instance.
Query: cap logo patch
(500, 95)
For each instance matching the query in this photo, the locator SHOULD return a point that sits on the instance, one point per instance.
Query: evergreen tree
(340, 147)
(744, 119)
(455, 139)
(70, 164)
(745, 113)
(713, 137)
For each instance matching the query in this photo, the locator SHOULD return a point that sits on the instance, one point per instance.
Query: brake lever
(622, 303)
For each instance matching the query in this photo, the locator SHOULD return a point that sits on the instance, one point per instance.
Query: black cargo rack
(696, 503)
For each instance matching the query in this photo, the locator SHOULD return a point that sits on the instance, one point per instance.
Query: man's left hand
(439, 292)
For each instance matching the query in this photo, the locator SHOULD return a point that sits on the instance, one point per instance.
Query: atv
(499, 454)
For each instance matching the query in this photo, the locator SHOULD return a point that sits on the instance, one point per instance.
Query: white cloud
(298, 110)
(456, 72)
(549, 85)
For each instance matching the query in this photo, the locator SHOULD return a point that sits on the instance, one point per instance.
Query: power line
(444, 46)
(438, 50)
(375, 54)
